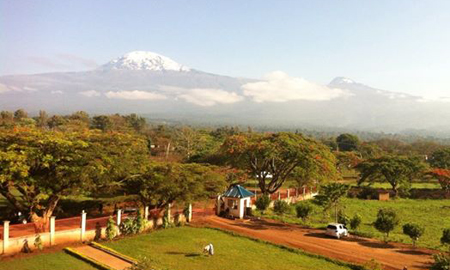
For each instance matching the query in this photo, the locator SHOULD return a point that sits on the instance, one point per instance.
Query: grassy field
(56, 261)
(434, 215)
(418, 185)
(180, 248)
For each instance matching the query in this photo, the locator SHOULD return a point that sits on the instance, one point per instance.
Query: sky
(401, 45)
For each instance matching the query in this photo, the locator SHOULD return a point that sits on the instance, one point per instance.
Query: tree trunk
(41, 222)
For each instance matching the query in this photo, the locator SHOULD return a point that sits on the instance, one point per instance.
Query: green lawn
(434, 215)
(54, 261)
(418, 185)
(181, 249)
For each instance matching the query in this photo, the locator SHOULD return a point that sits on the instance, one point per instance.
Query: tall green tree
(43, 166)
(272, 158)
(440, 159)
(163, 183)
(395, 170)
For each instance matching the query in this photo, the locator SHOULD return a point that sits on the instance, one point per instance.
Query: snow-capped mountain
(154, 85)
(144, 60)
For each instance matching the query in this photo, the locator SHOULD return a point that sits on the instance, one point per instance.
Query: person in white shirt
(209, 249)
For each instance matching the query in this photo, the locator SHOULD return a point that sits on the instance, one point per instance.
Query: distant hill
(157, 86)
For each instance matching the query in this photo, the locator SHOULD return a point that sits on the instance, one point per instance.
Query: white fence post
(218, 205)
(279, 195)
(119, 217)
(169, 217)
(146, 213)
(52, 230)
(288, 193)
(5, 236)
(83, 225)
(189, 217)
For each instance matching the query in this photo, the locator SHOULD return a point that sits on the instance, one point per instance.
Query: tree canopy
(272, 158)
(395, 170)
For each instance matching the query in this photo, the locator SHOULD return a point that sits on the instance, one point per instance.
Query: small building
(383, 195)
(235, 201)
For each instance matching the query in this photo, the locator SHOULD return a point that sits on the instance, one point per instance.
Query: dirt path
(392, 256)
(102, 257)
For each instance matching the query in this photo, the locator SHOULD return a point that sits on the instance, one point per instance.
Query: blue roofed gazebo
(235, 201)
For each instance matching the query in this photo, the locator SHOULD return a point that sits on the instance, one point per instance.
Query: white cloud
(278, 86)
(209, 96)
(56, 92)
(4, 88)
(90, 93)
(135, 95)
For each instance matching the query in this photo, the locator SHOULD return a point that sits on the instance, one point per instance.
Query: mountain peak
(144, 60)
(342, 80)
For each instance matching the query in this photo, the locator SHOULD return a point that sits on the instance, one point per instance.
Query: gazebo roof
(236, 191)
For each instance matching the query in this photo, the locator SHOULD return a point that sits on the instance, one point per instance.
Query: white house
(235, 201)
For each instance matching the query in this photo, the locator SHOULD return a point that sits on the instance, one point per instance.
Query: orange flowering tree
(443, 176)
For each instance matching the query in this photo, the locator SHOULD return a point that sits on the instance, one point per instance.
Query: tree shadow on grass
(186, 254)
(375, 244)
(263, 225)
(412, 252)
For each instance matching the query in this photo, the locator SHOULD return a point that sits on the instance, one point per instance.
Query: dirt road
(355, 250)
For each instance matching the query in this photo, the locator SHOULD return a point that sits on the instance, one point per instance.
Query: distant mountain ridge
(152, 84)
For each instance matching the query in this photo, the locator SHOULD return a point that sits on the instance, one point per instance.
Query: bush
(343, 218)
(166, 220)
(38, 242)
(129, 226)
(110, 231)
(445, 239)
(262, 203)
(281, 207)
(373, 265)
(441, 262)
(386, 221)
(414, 231)
(355, 221)
(367, 192)
(303, 210)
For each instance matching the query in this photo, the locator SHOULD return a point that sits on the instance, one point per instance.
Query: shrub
(281, 207)
(355, 221)
(129, 226)
(343, 218)
(441, 262)
(303, 210)
(373, 265)
(414, 231)
(166, 220)
(262, 203)
(110, 231)
(139, 222)
(38, 242)
(367, 192)
(386, 221)
(445, 239)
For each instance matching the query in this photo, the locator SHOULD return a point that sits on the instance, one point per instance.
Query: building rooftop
(236, 191)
